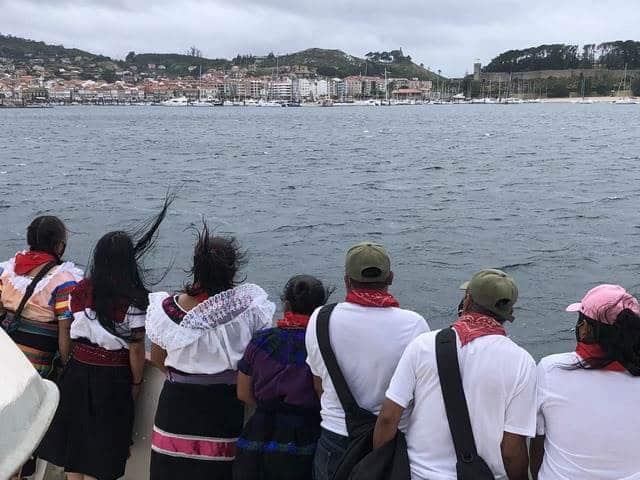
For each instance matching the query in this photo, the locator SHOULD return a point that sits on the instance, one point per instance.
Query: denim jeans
(330, 450)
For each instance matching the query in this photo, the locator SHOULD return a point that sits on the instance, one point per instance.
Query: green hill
(57, 59)
(336, 63)
(176, 64)
(18, 49)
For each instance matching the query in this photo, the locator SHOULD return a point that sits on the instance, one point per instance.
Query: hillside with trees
(27, 54)
(608, 55)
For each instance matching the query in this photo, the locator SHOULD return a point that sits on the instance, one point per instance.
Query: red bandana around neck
(27, 261)
(593, 350)
(472, 325)
(371, 298)
(293, 320)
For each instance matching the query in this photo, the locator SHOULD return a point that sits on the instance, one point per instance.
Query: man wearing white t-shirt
(588, 400)
(368, 333)
(499, 384)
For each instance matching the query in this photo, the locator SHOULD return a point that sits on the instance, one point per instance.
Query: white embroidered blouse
(213, 336)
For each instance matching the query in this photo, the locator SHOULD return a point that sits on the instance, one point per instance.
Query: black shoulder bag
(360, 461)
(470, 466)
(12, 321)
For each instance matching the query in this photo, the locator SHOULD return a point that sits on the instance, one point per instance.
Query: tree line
(608, 55)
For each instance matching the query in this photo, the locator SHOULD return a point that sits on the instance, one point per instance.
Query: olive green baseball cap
(494, 290)
(367, 262)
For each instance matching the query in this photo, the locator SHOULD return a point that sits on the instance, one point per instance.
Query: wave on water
(296, 228)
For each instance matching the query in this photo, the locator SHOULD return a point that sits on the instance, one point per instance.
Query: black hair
(45, 233)
(216, 262)
(117, 279)
(474, 307)
(620, 342)
(305, 293)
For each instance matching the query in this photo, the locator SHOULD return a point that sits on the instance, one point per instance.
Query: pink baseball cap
(605, 302)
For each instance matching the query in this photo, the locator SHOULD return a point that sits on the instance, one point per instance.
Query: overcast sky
(447, 35)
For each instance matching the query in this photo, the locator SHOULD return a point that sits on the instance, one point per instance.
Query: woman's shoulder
(244, 307)
(67, 273)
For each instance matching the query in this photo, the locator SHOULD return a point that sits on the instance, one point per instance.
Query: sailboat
(622, 87)
(582, 91)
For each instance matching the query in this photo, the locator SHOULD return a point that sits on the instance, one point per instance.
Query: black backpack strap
(28, 293)
(455, 401)
(349, 404)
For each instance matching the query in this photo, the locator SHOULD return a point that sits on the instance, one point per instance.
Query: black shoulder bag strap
(455, 404)
(355, 415)
(15, 323)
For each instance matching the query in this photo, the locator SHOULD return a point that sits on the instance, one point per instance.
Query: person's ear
(347, 282)
(466, 302)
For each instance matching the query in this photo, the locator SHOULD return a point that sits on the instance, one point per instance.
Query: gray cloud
(443, 35)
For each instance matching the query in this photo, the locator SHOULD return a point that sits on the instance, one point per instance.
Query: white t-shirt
(590, 421)
(499, 382)
(367, 342)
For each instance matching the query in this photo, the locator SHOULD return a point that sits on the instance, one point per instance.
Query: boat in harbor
(268, 103)
(176, 102)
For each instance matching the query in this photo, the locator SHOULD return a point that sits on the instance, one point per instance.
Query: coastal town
(34, 74)
(31, 83)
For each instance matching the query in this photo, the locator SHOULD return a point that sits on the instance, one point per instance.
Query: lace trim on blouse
(245, 306)
(22, 282)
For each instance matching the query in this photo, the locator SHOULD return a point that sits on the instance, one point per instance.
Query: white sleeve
(403, 383)
(136, 317)
(314, 357)
(540, 399)
(520, 416)
(422, 326)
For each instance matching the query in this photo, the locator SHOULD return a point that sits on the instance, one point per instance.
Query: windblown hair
(216, 262)
(117, 279)
(620, 343)
(305, 293)
(45, 233)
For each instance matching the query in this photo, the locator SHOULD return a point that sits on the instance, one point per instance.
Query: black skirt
(195, 432)
(278, 443)
(92, 427)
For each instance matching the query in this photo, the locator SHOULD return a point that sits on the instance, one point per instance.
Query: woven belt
(228, 377)
(93, 355)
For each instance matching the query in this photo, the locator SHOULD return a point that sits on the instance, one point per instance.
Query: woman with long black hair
(588, 422)
(91, 432)
(198, 336)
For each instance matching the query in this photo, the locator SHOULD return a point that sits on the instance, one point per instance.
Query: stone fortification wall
(543, 74)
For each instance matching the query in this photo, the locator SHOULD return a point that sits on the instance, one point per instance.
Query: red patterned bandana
(293, 320)
(588, 351)
(27, 261)
(472, 325)
(372, 298)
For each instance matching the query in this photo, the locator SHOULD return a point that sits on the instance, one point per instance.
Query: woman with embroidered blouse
(198, 336)
(279, 441)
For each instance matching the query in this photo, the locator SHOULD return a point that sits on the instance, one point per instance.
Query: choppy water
(548, 193)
